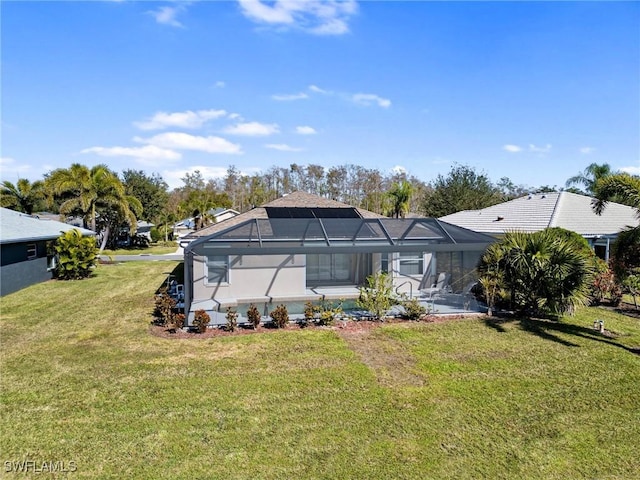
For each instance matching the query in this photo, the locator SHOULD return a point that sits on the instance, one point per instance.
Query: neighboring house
(25, 246)
(536, 212)
(184, 228)
(143, 229)
(302, 247)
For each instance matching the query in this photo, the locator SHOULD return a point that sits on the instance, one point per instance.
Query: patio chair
(441, 286)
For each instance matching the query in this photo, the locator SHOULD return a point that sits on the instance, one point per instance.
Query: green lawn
(82, 380)
(159, 249)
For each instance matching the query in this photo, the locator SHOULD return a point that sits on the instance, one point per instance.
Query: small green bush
(156, 235)
(76, 255)
(413, 310)
(201, 320)
(232, 320)
(329, 312)
(253, 314)
(280, 316)
(377, 296)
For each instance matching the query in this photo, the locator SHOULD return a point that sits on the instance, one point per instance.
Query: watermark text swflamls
(32, 466)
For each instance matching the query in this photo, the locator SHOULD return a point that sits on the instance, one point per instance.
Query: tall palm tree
(24, 196)
(591, 175)
(622, 188)
(400, 195)
(85, 191)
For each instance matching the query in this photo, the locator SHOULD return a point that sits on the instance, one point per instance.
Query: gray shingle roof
(20, 227)
(536, 212)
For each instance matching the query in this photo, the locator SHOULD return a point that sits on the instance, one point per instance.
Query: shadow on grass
(548, 329)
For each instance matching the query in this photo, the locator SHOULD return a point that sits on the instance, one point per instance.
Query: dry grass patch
(390, 360)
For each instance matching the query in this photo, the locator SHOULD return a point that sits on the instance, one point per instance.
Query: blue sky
(532, 91)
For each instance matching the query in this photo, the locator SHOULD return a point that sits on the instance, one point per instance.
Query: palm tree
(622, 188)
(85, 191)
(590, 176)
(24, 196)
(545, 271)
(400, 195)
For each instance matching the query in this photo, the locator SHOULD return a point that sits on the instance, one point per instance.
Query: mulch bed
(347, 326)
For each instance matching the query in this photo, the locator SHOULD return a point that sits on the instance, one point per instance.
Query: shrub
(413, 310)
(253, 314)
(329, 312)
(545, 272)
(178, 322)
(632, 286)
(76, 255)
(232, 320)
(280, 316)
(201, 320)
(165, 306)
(156, 236)
(377, 296)
(603, 285)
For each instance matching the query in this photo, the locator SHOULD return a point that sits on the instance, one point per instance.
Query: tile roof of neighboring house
(536, 212)
(292, 200)
(20, 227)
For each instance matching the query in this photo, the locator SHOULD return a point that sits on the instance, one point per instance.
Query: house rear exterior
(302, 247)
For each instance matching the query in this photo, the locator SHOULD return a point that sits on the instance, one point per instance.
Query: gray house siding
(18, 270)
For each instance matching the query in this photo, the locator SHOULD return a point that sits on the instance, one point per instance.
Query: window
(335, 267)
(32, 251)
(217, 269)
(411, 263)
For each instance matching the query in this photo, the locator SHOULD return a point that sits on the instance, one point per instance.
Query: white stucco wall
(252, 276)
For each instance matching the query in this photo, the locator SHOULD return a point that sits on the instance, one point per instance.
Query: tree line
(106, 200)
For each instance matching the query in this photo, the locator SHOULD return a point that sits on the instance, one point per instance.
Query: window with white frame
(411, 263)
(217, 269)
(32, 251)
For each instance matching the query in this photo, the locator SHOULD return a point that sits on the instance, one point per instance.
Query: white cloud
(545, 149)
(368, 99)
(512, 148)
(587, 150)
(290, 97)
(184, 141)
(9, 168)
(220, 84)
(305, 130)
(167, 15)
(399, 170)
(188, 119)
(283, 147)
(319, 17)
(235, 116)
(317, 89)
(253, 129)
(143, 154)
(257, 11)
(631, 170)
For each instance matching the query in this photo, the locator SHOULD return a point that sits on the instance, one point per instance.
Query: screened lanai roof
(264, 236)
